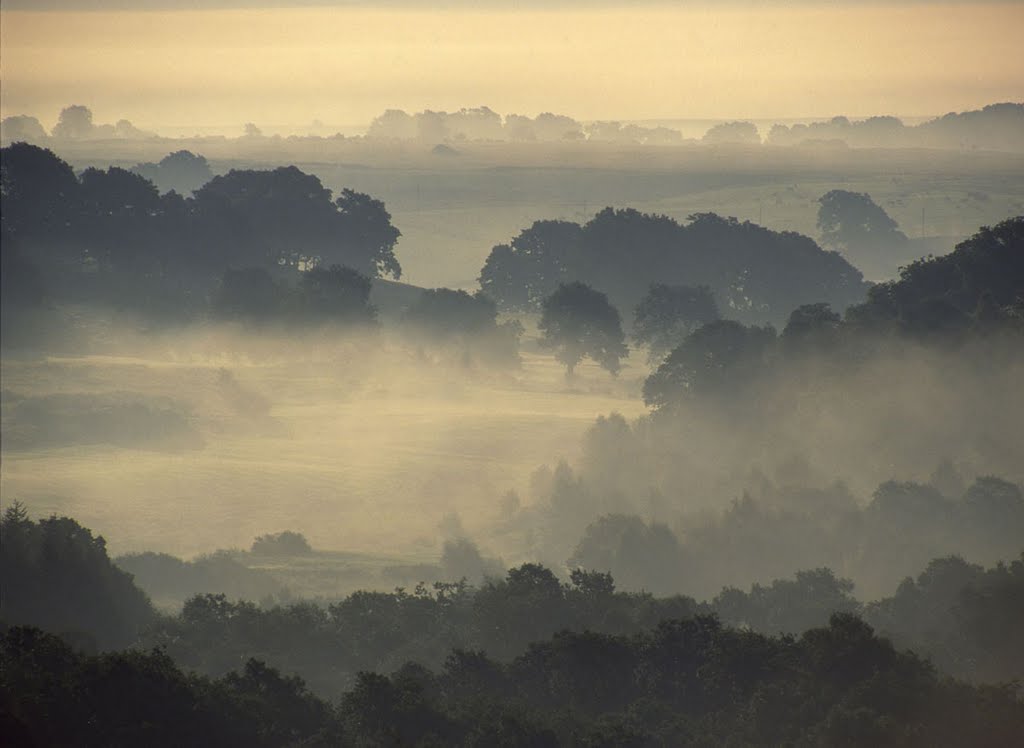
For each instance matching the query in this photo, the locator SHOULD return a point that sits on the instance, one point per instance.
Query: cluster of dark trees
(247, 236)
(687, 681)
(975, 291)
(525, 660)
(962, 615)
(56, 574)
(254, 247)
(755, 274)
(463, 325)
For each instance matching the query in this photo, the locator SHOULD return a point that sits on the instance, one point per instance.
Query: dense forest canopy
(550, 661)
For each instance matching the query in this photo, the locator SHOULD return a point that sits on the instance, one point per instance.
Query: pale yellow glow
(347, 65)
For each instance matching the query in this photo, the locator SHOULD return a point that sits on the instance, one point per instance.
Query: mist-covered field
(358, 446)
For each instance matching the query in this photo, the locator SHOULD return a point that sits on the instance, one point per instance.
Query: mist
(589, 375)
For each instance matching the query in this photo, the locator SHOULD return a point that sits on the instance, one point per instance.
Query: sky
(345, 62)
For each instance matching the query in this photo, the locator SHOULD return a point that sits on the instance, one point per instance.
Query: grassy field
(360, 449)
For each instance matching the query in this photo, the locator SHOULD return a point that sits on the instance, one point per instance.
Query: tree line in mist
(501, 662)
(769, 480)
(996, 127)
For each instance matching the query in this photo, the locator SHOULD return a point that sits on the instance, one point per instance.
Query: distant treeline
(994, 127)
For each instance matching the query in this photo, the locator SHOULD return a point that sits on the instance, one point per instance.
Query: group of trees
(56, 575)
(755, 274)
(975, 291)
(484, 124)
(684, 681)
(996, 126)
(75, 122)
(652, 542)
(522, 659)
(256, 247)
(464, 324)
(110, 236)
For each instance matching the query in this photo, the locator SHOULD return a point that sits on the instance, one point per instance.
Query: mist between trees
(709, 451)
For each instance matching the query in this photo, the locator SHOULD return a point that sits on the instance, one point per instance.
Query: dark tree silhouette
(468, 322)
(519, 275)
(336, 294)
(291, 218)
(754, 273)
(578, 322)
(812, 328)
(40, 193)
(667, 314)
(250, 295)
(719, 359)
(982, 278)
(56, 574)
(853, 222)
(74, 123)
(366, 235)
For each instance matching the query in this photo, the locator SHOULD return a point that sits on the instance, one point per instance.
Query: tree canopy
(578, 322)
(754, 273)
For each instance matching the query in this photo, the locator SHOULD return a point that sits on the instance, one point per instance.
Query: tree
(338, 294)
(667, 314)
(181, 171)
(744, 133)
(38, 193)
(286, 216)
(519, 275)
(55, 574)
(22, 128)
(719, 359)
(466, 321)
(578, 322)
(853, 222)
(754, 272)
(248, 294)
(812, 328)
(287, 543)
(367, 238)
(75, 123)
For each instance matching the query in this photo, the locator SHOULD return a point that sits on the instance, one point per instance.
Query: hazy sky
(345, 62)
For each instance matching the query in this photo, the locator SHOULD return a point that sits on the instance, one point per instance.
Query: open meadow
(361, 446)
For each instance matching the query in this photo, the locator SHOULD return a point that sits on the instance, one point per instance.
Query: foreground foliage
(687, 681)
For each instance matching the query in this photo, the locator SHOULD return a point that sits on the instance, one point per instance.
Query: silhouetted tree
(577, 322)
(39, 194)
(853, 222)
(287, 543)
(336, 294)
(667, 314)
(743, 133)
(74, 123)
(719, 359)
(521, 274)
(55, 574)
(250, 295)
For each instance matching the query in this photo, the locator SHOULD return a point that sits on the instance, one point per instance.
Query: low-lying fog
(206, 440)
(194, 441)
